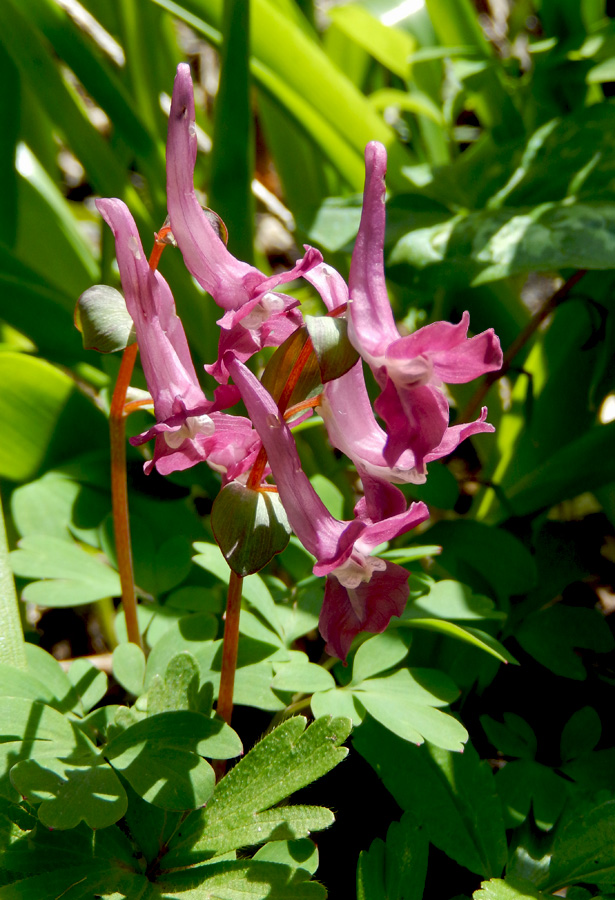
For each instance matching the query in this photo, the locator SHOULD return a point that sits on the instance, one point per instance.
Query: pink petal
(371, 324)
(456, 359)
(368, 608)
(165, 355)
(416, 419)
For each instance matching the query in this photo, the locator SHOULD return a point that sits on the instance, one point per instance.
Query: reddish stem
(119, 493)
(295, 374)
(312, 403)
(229, 649)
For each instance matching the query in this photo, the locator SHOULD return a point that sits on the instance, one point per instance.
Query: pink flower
(352, 428)
(255, 315)
(410, 370)
(189, 427)
(362, 591)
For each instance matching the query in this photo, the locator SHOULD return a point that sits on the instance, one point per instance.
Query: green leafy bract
(250, 527)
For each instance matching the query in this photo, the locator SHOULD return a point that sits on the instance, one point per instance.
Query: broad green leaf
(16, 683)
(441, 488)
(168, 778)
(338, 702)
(524, 782)
(452, 795)
(250, 527)
(129, 667)
(500, 243)
(513, 737)
(71, 794)
(182, 730)
(103, 320)
(451, 600)
(44, 864)
(553, 635)
(469, 635)
(299, 854)
(72, 576)
(394, 870)
(405, 702)
(46, 668)
(253, 686)
(581, 733)
(161, 757)
(488, 559)
(31, 730)
(377, 654)
(392, 47)
(253, 626)
(510, 888)
(192, 633)
(89, 682)
(306, 677)
(32, 400)
(58, 506)
(178, 689)
(583, 849)
(585, 171)
(565, 474)
(241, 880)
(35, 308)
(286, 823)
(49, 236)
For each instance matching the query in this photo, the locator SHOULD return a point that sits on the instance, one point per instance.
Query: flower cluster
(362, 591)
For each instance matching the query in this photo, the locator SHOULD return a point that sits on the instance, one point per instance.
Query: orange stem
(136, 404)
(295, 374)
(229, 649)
(119, 494)
(305, 404)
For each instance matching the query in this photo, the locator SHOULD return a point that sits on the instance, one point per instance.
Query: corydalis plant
(363, 591)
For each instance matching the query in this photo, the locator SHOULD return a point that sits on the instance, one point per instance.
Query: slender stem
(229, 650)
(256, 473)
(312, 403)
(136, 404)
(295, 374)
(119, 493)
(518, 344)
(12, 646)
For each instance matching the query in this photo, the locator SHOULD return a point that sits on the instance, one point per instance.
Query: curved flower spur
(255, 316)
(412, 369)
